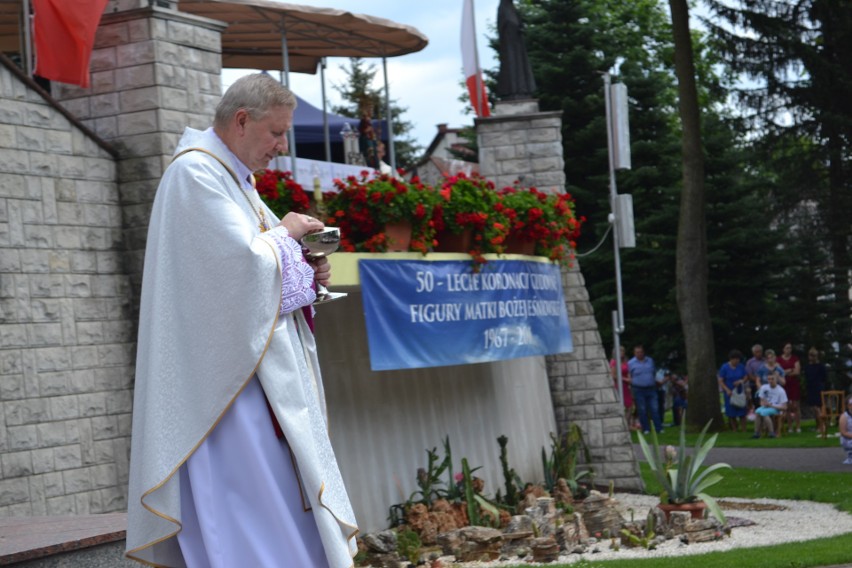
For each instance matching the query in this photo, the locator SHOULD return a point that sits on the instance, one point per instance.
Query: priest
(231, 463)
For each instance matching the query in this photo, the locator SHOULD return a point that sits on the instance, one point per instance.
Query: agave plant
(680, 474)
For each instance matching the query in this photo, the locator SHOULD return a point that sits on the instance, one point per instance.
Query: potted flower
(540, 223)
(281, 192)
(678, 473)
(524, 209)
(562, 228)
(466, 210)
(381, 213)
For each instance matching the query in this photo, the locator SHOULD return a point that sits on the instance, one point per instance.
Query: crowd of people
(770, 390)
(769, 385)
(647, 390)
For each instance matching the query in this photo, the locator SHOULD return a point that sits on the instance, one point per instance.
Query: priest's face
(263, 137)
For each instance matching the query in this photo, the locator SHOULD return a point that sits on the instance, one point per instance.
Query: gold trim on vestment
(353, 534)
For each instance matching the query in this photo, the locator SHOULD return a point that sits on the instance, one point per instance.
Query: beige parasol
(261, 34)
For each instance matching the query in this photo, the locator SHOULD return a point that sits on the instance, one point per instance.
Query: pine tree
(358, 90)
(799, 97)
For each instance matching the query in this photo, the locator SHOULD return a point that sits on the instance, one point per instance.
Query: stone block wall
(66, 335)
(520, 143)
(581, 388)
(74, 213)
(155, 71)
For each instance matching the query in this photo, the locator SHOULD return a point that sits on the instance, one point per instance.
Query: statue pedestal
(519, 106)
(518, 142)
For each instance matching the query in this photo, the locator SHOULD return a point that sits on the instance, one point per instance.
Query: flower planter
(517, 245)
(453, 242)
(695, 509)
(398, 235)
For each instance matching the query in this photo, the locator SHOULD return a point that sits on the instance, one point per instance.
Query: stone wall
(582, 391)
(73, 221)
(155, 71)
(66, 351)
(520, 143)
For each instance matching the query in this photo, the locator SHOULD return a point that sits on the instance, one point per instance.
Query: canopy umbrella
(267, 34)
(255, 28)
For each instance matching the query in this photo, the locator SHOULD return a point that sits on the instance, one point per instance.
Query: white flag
(470, 62)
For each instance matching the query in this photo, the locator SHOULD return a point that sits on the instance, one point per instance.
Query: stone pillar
(520, 143)
(154, 71)
(581, 388)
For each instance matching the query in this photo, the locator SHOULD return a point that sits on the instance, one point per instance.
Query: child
(773, 400)
(845, 423)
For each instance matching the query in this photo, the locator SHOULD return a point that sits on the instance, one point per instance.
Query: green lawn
(831, 488)
(806, 439)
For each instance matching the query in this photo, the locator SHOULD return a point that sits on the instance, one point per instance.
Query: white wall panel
(383, 422)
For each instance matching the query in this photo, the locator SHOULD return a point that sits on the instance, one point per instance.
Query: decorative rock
(678, 521)
(471, 544)
(520, 523)
(562, 493)
(574, 530)
(660, 524)
(546, 506)
(544, 515)
(482, 535)
(451, 541)
(600, 513)
(545, 549)
(429, 524)
(517, 543)
(383, 542)
(704, 530)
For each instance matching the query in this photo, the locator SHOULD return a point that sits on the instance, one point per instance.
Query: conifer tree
(798, 93)
(571, 43)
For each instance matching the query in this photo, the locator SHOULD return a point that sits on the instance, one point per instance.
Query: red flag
(64, 33)
(470, 62)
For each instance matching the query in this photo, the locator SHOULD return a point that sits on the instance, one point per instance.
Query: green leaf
(713, 507)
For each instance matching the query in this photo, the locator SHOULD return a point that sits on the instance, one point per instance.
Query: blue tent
(310, 137)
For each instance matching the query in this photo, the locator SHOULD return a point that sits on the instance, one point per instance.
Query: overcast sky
(428, 82)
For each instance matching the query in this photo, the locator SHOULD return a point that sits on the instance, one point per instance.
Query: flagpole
(291, 134)
(28, 40)
(478, 103)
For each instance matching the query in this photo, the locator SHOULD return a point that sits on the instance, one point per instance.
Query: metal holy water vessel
(317, 245)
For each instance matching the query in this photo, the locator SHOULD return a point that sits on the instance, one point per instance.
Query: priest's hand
(322, 270)
(299, 225)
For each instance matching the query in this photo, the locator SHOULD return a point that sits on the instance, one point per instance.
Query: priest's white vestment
(220, 333)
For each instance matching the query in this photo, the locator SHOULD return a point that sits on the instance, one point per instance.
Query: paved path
(784, 459)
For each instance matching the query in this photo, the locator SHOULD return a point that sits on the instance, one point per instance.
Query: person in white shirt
(773, 400)
(845, 425)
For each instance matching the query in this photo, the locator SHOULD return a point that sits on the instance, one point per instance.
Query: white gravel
(798, 521)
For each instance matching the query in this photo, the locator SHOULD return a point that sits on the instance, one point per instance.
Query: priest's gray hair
(257, 94)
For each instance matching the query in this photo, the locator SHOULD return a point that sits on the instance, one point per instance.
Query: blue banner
(436, 313)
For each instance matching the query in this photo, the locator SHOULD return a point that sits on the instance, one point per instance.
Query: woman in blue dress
(732, 376)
